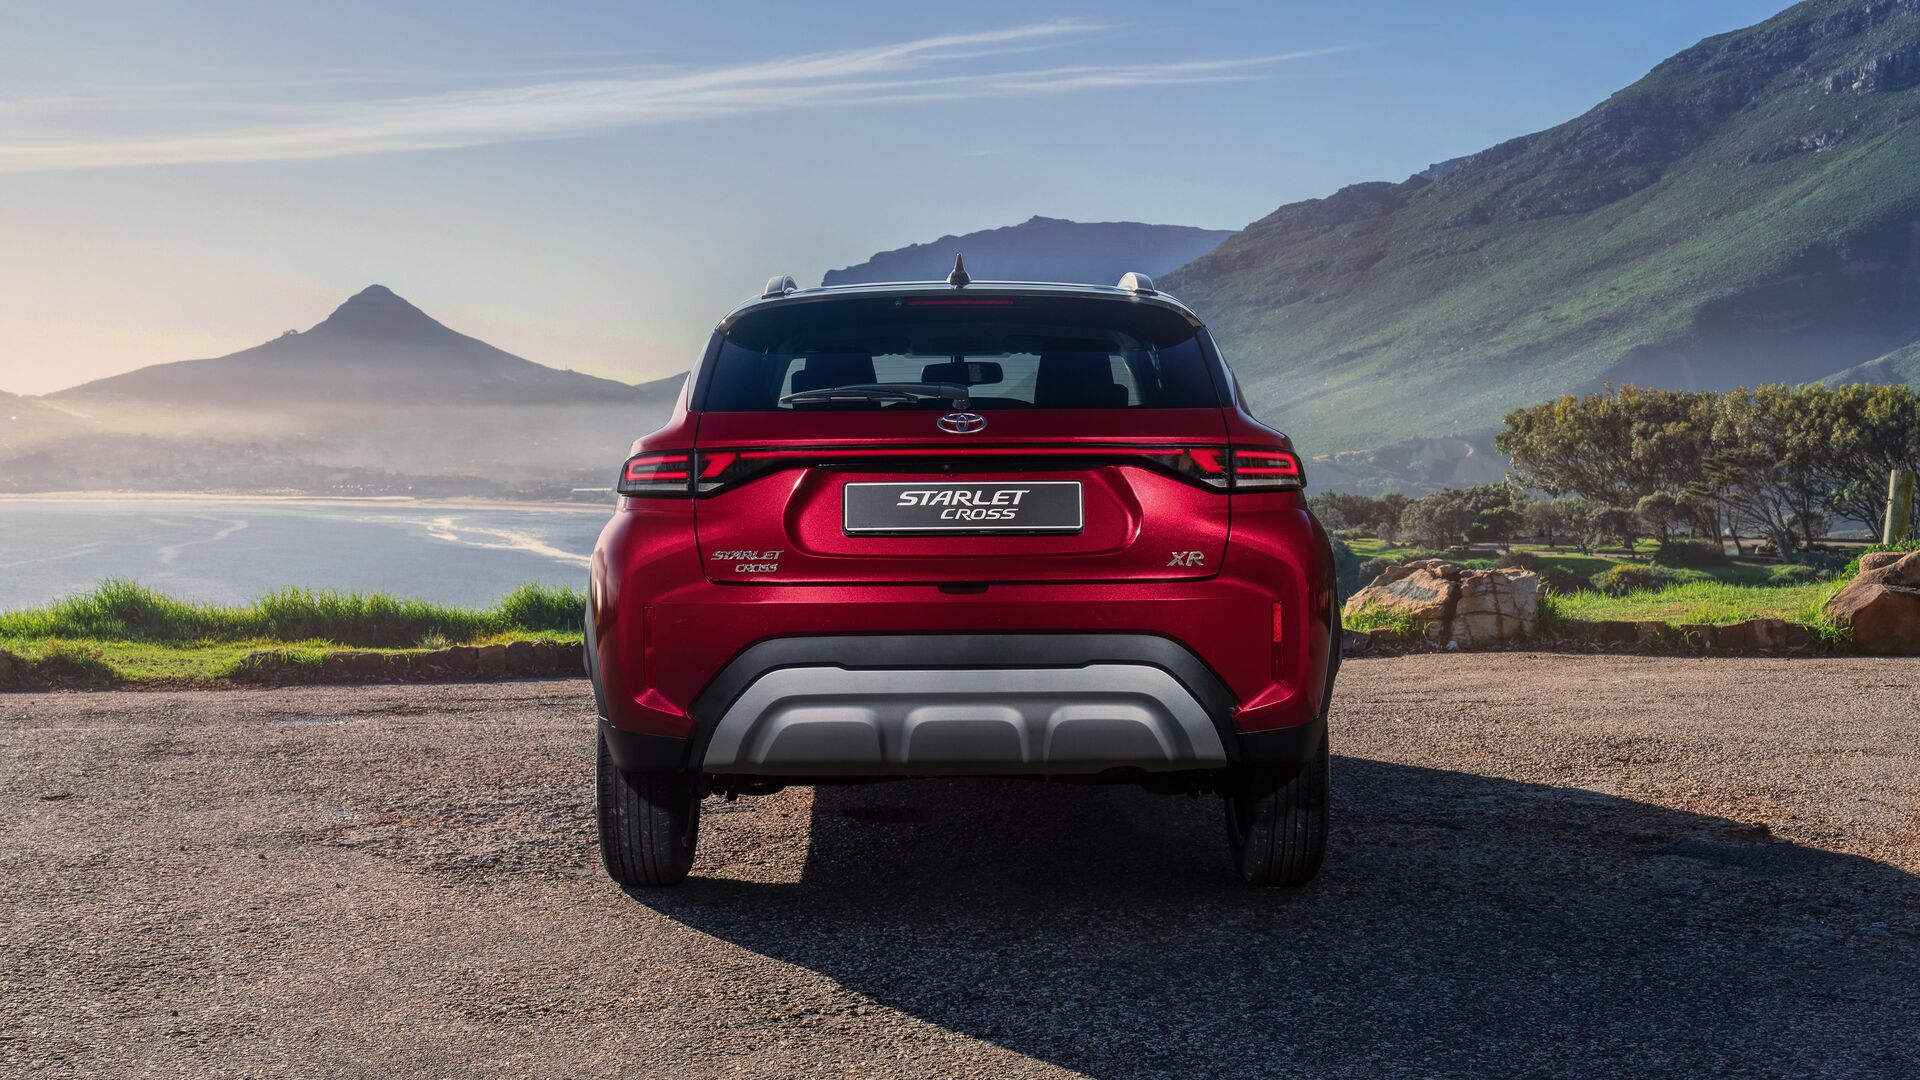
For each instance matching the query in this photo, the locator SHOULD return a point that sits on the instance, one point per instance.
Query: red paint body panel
(655, 584)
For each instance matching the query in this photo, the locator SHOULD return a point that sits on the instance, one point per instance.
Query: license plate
(1044, 506)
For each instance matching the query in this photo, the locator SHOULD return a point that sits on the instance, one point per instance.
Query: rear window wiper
(953, 392)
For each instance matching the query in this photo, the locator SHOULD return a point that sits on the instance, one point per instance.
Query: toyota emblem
(962, 423)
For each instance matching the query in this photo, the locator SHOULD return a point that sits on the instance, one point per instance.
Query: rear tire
(649, 822)
(1277, 821)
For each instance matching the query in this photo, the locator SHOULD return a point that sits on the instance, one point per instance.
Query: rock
(1699, 635)
(1460, 608)
(1876, 560)
(491, 661)
(519, 658)
(572, 658)
(546, 658)
(400, 666)
(1735, 637)
(1421, 592)
(1354, 642)
(1496, 606)
(1385, 635)
(1619, 632)
(11, 667)
(1880, 608)
(1798, 636)
(462, 660)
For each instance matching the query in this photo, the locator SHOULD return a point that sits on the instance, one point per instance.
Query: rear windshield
(1009, 353)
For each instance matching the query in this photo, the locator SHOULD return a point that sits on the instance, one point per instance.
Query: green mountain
(1747, 212)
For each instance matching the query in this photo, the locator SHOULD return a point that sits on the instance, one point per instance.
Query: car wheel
(649, 822)
(1277, 822)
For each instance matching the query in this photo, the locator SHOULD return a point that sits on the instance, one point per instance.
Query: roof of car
(942, 289)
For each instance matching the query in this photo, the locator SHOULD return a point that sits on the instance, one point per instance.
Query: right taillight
(1256, 469)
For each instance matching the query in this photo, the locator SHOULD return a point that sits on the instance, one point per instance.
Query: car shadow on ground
(1464, 925)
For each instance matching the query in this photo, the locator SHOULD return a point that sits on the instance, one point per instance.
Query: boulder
(1496, 606)
(1880, 608)
(1422, 592)
(1472, 608)
(11, 667)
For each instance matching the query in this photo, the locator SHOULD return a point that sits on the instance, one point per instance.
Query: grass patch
(1377, 617)
(125, 632)
(125, 611)
(1712, 603)
(213, 661)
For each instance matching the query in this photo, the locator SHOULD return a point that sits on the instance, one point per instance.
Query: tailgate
(894, 499)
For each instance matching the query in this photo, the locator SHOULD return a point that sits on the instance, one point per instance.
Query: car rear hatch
(1085, 444)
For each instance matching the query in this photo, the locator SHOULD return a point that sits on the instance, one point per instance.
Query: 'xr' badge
(1188, 558)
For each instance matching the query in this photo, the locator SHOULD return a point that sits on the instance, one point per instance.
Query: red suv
(972, 528)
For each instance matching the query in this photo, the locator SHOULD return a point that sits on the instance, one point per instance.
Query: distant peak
(378, 311)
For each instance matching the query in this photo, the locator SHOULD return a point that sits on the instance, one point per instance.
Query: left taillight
(657, 473)
(1259, 468)
(1240, 468)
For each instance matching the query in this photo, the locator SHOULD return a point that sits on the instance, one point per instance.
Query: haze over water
(233, 550)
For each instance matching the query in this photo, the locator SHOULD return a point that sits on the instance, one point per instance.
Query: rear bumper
(664, 643)
(933, 704)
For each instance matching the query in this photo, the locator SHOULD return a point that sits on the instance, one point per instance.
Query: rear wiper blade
(882, 392)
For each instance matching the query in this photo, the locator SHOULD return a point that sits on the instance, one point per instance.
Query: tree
(1610, 448)
(1764, 461)
(1548, 519)
(1662, 512)
(1866, 432)
(1497, 523)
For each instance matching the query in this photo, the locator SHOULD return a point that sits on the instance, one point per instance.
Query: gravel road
(1541, 865)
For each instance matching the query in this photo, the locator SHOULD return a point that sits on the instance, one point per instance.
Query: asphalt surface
(1541, 866)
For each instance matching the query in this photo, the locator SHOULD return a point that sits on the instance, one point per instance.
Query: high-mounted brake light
(960, 303)
(656, 473)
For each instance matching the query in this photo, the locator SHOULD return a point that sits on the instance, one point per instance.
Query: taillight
(1267, 470)
(657, 472)
(1241, 469)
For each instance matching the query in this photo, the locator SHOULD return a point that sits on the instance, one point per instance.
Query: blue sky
(592, 185)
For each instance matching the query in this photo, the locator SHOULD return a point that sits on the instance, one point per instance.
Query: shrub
(1627, 578)
(1853, 567)
(1524, 560)
(1690, 552)
(1792, 574)
(1559, 579)
(1373, 568)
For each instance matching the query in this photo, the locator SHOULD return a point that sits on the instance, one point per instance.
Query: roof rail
(1137, 283)
(778, 285)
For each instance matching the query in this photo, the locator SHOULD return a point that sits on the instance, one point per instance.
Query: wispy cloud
(189, 130)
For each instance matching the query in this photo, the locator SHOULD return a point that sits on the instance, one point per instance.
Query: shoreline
(315, 500)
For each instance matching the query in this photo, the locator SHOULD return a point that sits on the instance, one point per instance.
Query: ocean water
(233, 550)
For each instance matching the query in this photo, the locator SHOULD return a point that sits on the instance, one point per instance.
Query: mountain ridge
(375, 349)
(1746, 212)
(1041, 249)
